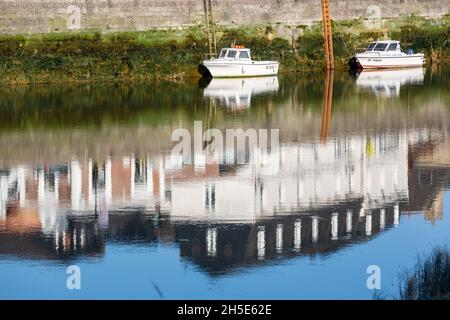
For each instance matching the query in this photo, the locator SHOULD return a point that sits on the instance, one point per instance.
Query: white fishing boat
(387, 54)
(236, 61)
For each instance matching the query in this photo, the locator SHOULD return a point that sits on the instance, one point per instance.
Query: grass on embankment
(430, 279)
(174, 54)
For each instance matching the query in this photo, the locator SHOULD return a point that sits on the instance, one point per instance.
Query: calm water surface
(360, 177)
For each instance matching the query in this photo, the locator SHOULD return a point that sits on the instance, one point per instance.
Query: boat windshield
(371, 46)
(244, 55)
(392, 47)
(223, 53)
(380, 47)
(231, 54)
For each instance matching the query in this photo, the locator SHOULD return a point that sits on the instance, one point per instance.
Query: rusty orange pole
(327, 34)
(327, 106)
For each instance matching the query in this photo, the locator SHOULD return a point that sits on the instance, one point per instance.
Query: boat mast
(327, 34)
(210, 30)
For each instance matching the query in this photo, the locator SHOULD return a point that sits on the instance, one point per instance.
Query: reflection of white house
(237, 93)
(309, 175)
(388, 82)
(295, 177)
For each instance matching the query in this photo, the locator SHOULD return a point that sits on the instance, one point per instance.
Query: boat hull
(387, 62)
(233, 70)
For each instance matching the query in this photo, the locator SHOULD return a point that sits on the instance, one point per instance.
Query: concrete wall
(34, 16)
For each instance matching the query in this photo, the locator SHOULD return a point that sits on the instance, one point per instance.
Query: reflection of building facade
(317, 198)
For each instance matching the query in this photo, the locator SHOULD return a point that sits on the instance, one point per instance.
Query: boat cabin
(390, 46)
(235, 53)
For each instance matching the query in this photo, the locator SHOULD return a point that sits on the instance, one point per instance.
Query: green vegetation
(430, 279)
(174, 54)
(98, 106)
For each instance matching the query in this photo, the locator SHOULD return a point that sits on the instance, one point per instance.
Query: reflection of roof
(21, 220)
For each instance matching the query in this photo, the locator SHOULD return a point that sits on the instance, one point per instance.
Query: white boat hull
(225, 69)
(385, 62)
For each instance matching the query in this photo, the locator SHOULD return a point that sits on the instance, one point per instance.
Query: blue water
(133, 271)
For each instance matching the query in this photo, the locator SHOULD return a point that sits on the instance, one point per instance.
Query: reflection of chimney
(382, 219)
(91, 197)
(162, 177)
(315, 229)
(41, 186)
(396, 215)
(56, 186)
(3, 196)
(348, 222)
(132, 177)
(334, 226)
(76, 184)
(261, 243)
(369, 224)
(21, 185)
(149, 177)
(298, 234)
(108, 181)
(211, 242)
(279, 238)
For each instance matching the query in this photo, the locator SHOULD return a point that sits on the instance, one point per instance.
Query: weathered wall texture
(34, 16)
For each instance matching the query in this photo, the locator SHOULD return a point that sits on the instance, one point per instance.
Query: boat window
(380, 47)
(371, 46)
(392, 47)
(244, 55)
(231, 54)
(223, 54)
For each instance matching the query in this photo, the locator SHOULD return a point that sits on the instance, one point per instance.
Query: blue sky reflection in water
(86, 186)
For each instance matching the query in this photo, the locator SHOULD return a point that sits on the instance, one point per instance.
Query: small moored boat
(236, 62)
(387, 54)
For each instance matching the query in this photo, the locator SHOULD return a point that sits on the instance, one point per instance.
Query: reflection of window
(243, 55)
(232, 54)
(371, 46)
(392, 47)
(223, 53)
(379, 88)
(425, 178)
(380, 47)
(392, 89)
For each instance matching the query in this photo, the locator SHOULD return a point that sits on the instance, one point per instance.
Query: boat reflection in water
(387, 83)
(236, 93)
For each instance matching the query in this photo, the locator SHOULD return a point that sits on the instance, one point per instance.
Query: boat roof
(386, 41)
(229, 48)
